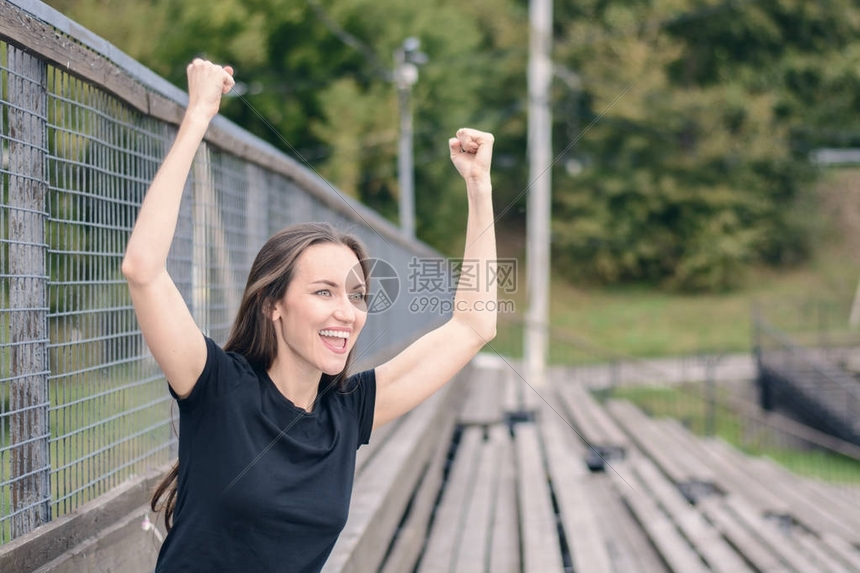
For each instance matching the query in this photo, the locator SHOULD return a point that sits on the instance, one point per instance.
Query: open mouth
(334, 339)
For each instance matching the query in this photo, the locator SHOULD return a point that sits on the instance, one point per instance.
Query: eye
(358, 296)
(324, 291)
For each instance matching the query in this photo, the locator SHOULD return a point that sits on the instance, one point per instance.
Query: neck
(298, 385)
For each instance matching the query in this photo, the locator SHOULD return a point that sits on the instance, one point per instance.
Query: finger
(455, 146)
(475, 138)
(465, 139)
(229, 69)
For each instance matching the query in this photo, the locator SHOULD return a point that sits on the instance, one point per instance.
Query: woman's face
(321, 314)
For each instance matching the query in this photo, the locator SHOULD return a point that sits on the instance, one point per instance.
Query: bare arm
(427, 364)
(168, 328)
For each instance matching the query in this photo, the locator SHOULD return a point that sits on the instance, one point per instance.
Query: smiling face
(320, 316)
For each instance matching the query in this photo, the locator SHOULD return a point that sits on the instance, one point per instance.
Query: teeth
(335, 333)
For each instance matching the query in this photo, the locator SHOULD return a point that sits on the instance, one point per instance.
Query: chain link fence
(83, 406)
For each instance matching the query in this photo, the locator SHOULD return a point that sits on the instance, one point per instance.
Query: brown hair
(253, 335)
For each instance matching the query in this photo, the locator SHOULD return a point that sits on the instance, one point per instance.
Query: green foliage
(701, 167)
(697, 171)
(334, 102)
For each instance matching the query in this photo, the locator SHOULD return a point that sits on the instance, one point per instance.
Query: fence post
(28, 399)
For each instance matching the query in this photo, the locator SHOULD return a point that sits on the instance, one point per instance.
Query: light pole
(536, 343)
(407, 58)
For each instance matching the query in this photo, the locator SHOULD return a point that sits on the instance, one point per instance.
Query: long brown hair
(253, 335)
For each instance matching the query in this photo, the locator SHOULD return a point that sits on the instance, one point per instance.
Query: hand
(206, 83)
(472, 153)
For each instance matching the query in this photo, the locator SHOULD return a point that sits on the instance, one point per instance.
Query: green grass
(88, 454)
(685, 404)
(648, 321)
(643, 321)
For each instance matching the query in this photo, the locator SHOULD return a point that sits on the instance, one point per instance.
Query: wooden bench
(767, 544)
(604, 438)
(397, 479)
(515, 495)
(464, 484)
(693, 479)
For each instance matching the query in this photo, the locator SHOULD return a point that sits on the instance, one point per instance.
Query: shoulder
(358, 395)
(357, 383)
(224, 371)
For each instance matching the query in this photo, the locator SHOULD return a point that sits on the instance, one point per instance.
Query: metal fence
(83, 130)
(814, 383)
(711, 394)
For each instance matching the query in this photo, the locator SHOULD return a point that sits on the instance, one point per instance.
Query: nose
(345, 311)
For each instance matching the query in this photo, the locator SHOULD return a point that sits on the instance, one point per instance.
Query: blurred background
(704, 291)
(707, 186)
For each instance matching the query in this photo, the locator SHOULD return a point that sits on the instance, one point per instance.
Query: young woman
(269, 424)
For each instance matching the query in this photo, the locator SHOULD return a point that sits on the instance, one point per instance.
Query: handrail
(787, 344)
(42, 30)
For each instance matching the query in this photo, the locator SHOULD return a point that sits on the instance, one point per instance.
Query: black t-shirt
(263, 485)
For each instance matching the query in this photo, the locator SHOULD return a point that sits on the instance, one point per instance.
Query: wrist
(479, 184)
(195, 117)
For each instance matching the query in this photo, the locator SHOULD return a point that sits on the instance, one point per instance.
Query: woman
(266, 448)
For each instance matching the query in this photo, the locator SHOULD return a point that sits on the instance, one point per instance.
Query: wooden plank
(705, 539)
(676, 434)
(829, 498)
(473, 552)
(410, 539)
(819, 554)
(779, 544)
(733, 476)
(578, 414)
(505, 540)
(21, 29)
(807, 513)
(640, 429)
(510, 397)
(626, 542)
(676, 552)
(483, 402)
(571, 484)
(378, 438)
(841, 548)
(379, 498)
(120, 546)
(541, 546)
(447, 525)
(532, 396)
(604, 429)
(750, 546)
(61, 536)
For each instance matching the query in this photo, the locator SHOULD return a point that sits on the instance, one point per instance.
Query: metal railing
(712, 395)
(83, 129)
(808, 381)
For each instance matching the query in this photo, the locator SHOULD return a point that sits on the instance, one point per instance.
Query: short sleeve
(360, 394)
(222, 372)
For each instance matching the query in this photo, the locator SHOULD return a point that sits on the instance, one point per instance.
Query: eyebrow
(335, 285)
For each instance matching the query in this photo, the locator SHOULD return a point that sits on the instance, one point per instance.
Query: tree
(700, 168)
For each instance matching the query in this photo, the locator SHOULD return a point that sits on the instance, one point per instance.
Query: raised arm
(168, 328)
(427, 364)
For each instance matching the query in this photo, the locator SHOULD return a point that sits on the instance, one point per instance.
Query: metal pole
(538, 218)
(405, 75)
(405, 174)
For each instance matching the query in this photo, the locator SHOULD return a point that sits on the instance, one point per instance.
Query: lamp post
(407, 58)
(536, 343)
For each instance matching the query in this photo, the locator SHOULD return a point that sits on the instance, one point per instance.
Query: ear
(272, 310)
